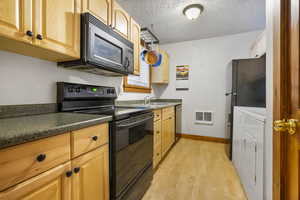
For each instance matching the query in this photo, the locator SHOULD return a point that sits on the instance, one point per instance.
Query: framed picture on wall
(182, 77)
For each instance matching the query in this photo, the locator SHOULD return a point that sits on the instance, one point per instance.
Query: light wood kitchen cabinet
(16, 19)
(99, 8)
(157, 156)
(157, 115)
(164, 133)
(164, 141)
(47, 29)
(136, 39)
(157, 133)
(160, 74)
(54, 184)
(126, 26)
(157, 144)
(157, 138)
(172, 130)
(168, 112)
(120, 20)
(57, 26)
(21, 162)
(168, 132)
(44, 169)
(89, 138)
(91, 175)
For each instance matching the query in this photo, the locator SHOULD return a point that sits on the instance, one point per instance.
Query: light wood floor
(196, 170)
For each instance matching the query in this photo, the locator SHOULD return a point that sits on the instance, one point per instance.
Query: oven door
(132, 150)
(105, 50)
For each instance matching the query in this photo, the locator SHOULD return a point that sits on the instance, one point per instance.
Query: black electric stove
(131, 136)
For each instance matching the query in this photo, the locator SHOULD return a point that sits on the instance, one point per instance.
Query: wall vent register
(204, 117)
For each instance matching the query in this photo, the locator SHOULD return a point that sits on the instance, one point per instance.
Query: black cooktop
(92, 99)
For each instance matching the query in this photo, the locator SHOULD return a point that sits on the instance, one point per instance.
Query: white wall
(28, 80)
(268, 161)
(210, 61)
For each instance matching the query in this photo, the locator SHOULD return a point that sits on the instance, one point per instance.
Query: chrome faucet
(147, 100)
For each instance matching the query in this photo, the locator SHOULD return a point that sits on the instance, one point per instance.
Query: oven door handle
(135, 123)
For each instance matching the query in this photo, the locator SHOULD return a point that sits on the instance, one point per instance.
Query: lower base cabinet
(55, 184)
(164, 130)
(91, 179)
(84, 176)
(168, 129)
(157, 155)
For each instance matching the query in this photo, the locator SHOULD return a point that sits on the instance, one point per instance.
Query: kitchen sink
(138, 106)
(157, 103)
(144, 106)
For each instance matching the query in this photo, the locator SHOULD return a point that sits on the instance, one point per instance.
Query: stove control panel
(72, 90)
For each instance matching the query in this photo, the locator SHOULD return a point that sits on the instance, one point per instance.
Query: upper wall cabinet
(120, 20)
(16, 19)
(47, 29)
(160, 74)
(57, 26)
(99, 8)
(135, 38)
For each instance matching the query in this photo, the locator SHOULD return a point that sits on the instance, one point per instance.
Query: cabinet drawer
(157, 115)
(87, 139)
(168, 112)
(24, 161)
(157, 132)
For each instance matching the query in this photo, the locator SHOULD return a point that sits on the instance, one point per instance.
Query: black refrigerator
(247, 88)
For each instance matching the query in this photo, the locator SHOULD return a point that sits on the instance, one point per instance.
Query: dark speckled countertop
(155, 104)
(17, 126)
(151, 106)
(18, 130)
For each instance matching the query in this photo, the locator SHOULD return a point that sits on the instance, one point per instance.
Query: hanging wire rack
(148, 36)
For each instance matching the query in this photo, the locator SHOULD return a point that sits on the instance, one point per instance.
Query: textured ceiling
(220, 17)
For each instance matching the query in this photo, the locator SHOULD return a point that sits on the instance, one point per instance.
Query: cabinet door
(99, 8)
(165, 136)
(121, 20)
(160, 75)
(135, 38)
(156, 155)
(91, 175)
(57, 26)
(157, 133)
(172, 131)
(16, 19)
(53, 184)
(168, 134)
(157, 143)
(166, 67)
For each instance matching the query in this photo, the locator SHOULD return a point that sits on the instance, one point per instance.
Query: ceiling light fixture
(193, 11)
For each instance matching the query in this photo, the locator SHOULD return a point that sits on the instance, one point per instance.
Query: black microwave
(103, 51)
